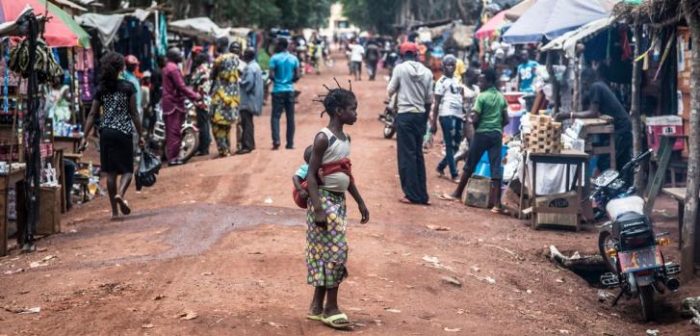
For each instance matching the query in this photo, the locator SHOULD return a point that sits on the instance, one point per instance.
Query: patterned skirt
(327, 248)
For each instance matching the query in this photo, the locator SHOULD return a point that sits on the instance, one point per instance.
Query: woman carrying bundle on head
(328, 179)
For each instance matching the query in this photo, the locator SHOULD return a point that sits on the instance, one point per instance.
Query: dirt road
(221, 240)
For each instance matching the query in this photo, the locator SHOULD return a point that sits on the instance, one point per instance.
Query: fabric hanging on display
(6, 77)
(84, 75)
(163, 35)
(627, 52)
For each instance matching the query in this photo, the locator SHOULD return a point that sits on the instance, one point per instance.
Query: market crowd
(220, 92)
(463, 99)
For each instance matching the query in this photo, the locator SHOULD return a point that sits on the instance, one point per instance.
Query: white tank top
(337, 150)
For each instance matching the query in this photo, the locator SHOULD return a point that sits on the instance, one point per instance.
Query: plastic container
(483, 168)
(664, 125)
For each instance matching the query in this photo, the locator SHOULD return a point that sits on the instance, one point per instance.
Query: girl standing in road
(328, 179)
(117, 99)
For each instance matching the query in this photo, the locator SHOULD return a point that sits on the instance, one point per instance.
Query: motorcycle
(628, 244)
(388, 117)
(189, 134)
(612, 184)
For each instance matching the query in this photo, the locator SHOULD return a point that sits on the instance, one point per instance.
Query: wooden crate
(49, 211)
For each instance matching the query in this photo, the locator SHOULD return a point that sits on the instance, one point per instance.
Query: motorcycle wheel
(605, 242)
(646, 298)
(190, 143)
(389, 132)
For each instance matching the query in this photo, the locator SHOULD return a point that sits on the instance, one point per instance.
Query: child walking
(329, 178)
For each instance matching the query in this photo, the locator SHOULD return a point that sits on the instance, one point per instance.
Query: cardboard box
(558, 209)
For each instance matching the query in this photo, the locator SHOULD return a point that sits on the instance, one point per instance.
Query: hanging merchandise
(667, 50)
(45, 65)
(6, 77)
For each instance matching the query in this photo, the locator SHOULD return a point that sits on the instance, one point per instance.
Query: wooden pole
(693, 184)
(635, 111)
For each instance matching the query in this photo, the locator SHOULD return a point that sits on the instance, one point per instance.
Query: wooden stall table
(14, 178)
(564, 209)
(70, 144)
(599, 127)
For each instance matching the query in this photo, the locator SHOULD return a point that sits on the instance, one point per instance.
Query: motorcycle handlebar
(636, 160)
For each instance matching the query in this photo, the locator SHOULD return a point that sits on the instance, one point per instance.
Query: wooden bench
(678, 194)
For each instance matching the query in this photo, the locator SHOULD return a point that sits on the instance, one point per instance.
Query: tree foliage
(292, 14)
(380, 15)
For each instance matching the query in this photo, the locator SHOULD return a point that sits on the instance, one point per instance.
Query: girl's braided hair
(336, 98)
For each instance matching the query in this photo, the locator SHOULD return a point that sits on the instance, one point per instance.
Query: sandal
(123, 205)
(337, 321)
(448, 197)
(317, 317)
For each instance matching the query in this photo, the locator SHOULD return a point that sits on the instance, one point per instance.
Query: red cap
(408, 47)
(197, 49)
(131, 60)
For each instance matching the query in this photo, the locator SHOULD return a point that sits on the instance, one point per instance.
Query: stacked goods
(545, 135)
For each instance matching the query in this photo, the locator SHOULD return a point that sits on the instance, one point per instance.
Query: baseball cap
(407, 47)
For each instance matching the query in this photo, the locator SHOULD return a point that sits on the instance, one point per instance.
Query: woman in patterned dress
(225, 97)
(328, 179)
(117, 99)
(201, 82)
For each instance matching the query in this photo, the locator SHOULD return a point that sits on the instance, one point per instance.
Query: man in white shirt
(412, 82)
(449, 110)
(357, 54)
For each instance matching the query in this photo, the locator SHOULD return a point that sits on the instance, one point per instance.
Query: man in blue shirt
(284, 71)
(132, 64)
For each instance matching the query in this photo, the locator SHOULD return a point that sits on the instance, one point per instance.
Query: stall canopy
(201, 27)
(552, 18)
(60, 31)
(107, 26)
(517, 11)
(568, 41)
(491, 26)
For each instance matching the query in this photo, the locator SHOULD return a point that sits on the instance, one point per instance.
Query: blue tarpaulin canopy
(552, 18)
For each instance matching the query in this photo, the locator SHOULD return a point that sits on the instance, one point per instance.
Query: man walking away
(489, 117)
(357, 54)
(413, 83)
(173, 103)
(251, 100)
(448, 109)
(373, 55)
(284, 71)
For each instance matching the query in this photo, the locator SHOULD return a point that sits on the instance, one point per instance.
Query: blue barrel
(483, 168)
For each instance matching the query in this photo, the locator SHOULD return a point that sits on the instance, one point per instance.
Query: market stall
(30, 165)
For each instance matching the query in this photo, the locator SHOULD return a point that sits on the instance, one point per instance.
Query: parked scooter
(388, 117)
(628, 243)
(189, 134)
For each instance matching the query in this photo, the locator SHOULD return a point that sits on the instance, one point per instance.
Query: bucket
(483, 168)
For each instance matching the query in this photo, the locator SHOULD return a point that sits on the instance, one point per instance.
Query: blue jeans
(452, 134)
(282, 101)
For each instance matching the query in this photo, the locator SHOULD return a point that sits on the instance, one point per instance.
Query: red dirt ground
(205, 240)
